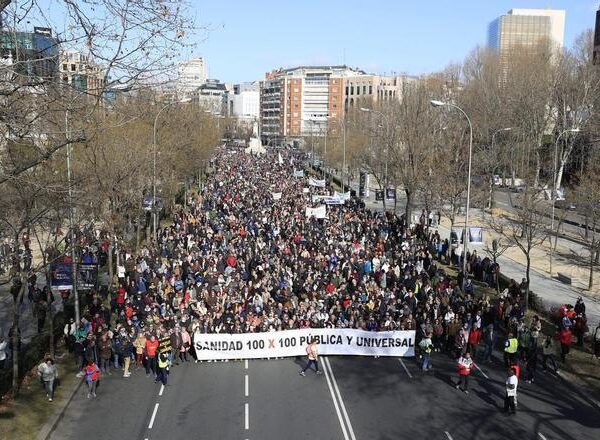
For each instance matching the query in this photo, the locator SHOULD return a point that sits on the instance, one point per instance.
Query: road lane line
(543, 437)
(481, 371)
(153, 416)
(405, 369)
(162, 389)
(448, 435)
(335, 404)
(247, 416)
(246, 385)
(342, 406)
(246, 364)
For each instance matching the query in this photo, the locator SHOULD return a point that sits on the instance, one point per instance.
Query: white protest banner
(305, 190)
(317, 183)
(276, 196)
(318, 212)
(317, 197)
(280, 160)
(298, 173)
(342, 196)
(333, 200)
(288, 343)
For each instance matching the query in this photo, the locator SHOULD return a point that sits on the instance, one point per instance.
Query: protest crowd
(244, 256)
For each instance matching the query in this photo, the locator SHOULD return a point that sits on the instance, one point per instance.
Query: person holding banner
(465, 364)
(313, 358)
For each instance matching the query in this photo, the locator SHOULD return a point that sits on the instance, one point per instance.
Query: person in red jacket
(565, 337)
(92, 375)
(474, 339)
(151, 352)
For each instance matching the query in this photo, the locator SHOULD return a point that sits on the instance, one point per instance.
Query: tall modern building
(34, 54)
(191, 74)
(526, 29)
(307, 100)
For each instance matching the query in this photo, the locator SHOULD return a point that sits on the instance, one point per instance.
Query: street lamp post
(154, 205)
(436, 103)
(554, 193)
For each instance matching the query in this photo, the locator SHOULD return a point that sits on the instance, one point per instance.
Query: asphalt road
(357, 398)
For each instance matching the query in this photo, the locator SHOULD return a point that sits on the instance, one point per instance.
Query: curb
(50, 426)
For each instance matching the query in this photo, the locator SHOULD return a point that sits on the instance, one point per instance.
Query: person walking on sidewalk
(48, 374)
(465, 364)
(510, 398)
(565, 337)
(313, 357)
(92, 376)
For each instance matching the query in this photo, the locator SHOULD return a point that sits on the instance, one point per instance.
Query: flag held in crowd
(276, 196)
(280, 159)
(298, 173)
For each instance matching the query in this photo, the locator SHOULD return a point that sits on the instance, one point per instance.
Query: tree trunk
(408, 205)
(527, 270)
(17, 334)
(591, 279)
(137, 235)
(110, 265)
(50, 311)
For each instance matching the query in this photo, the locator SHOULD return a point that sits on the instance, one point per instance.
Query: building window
(64, 67)
(370, 90)
(73, 68)
(346, 90)
(334, 90)
(364, 90)
(296, 90)
(334, 105)
(358, 90)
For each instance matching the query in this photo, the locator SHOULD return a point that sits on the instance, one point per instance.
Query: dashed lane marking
(246, 385)
(153, 416)
(448, 436)
(162, 389)
(247, 416)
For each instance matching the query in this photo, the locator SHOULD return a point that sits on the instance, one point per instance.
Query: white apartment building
(245, 101)
(80, 72)
(191, 74)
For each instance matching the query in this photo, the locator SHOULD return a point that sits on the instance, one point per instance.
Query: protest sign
(276, 196)
(318, 212)
(298, 173)
(61, 277)
(315, 182)
(87, 276)
(288, 343)
(476, 235)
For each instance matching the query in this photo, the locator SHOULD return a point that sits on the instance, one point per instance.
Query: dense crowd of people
(240, 258)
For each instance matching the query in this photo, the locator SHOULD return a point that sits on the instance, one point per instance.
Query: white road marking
(162, 389)
(153, 416)
(246, 364)
(335, 404)
(246, 385)
(342, 406)
(247, 416)
(542, 436)
(481, 371)
(405, 369)
(448, 435)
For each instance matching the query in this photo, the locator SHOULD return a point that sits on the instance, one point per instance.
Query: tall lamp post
(154, 205)
(554, 193)
(436, 103)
